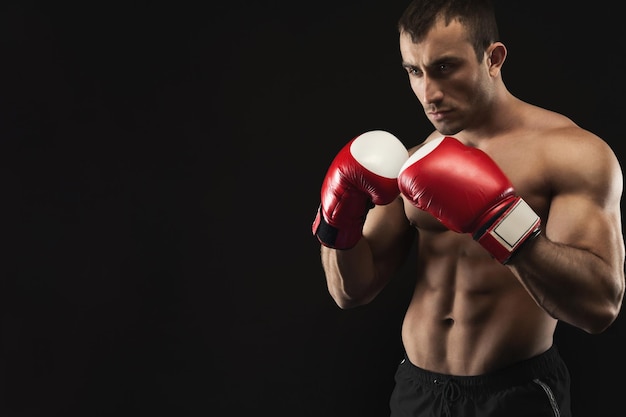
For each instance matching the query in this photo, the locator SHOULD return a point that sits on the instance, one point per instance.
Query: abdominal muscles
(469, 314)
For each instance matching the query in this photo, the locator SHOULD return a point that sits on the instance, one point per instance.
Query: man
(516, 212)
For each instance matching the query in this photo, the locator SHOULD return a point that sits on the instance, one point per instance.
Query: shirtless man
(478, 332)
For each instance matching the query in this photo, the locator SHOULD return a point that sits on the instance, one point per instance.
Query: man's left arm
(575, 268)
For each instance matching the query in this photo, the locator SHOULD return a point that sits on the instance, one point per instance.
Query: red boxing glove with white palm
(363, 173)
(465, 190)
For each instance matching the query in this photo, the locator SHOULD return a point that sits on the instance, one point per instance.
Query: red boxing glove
(363, 173)
(466, 191)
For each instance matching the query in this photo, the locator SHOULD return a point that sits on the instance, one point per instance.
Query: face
(451, 84)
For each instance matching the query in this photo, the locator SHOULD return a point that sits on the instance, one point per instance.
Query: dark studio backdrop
(161, 170)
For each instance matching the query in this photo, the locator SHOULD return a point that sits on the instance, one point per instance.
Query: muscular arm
(355, 276)
(575, 269)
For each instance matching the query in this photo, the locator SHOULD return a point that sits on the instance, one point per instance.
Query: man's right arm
(356, 276)
(360, 217)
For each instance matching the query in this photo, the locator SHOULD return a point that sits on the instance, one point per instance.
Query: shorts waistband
(518, 373)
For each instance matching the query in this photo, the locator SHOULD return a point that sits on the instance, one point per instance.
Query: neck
(500, 117)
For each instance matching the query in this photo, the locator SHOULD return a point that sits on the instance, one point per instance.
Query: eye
(413, 71)
(445, 68)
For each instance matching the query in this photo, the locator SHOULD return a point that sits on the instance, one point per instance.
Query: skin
(470, 314)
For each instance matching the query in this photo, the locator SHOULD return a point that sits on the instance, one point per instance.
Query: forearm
(571, 284)
(351, 275)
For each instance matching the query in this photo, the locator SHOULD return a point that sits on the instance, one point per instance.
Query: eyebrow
(441, 60)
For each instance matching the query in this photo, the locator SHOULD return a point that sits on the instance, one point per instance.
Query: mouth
(438, 114)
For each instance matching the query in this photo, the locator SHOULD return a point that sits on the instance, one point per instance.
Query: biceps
(579, 221)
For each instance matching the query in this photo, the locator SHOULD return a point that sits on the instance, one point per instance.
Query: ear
(496, 54)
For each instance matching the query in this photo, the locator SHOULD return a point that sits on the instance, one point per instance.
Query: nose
(431, 90)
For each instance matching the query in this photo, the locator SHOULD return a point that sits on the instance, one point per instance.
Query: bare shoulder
(578, 147)
(576, 157)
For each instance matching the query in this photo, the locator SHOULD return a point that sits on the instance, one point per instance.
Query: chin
(447, 130)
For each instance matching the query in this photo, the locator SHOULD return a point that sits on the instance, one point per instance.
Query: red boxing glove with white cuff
(467, 192)
(363, 173)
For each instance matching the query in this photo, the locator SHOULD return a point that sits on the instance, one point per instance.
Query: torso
(469, 314)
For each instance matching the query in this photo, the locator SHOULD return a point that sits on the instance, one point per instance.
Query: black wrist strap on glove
(325, 233)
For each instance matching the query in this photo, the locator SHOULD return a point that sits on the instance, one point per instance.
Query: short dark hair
(478, 16)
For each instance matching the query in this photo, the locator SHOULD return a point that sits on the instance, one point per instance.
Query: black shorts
(537, 387)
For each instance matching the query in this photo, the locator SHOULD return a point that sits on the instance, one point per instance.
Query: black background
(161, 166)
